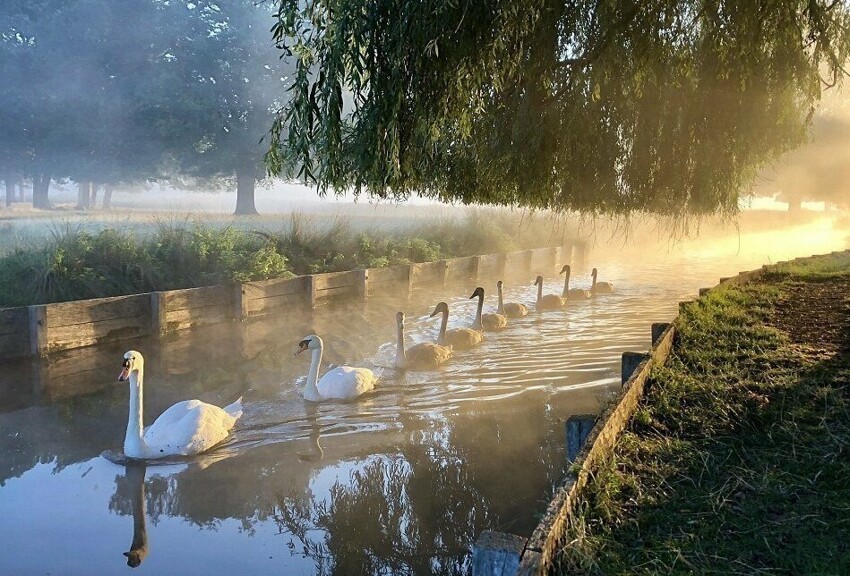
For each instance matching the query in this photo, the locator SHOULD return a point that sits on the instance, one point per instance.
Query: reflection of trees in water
(381, 523)
(420, 512)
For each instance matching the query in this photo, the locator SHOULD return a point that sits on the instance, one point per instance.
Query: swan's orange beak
(125, 373)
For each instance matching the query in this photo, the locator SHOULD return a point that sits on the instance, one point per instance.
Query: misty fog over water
(402, 479)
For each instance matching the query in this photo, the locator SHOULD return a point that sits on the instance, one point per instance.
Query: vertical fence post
(475, 271)
(38, 329)
(239, 302)
(578, 428)
(630, 362)
(444, 268)
(409, 280)
(363, 284)
(310, 290)
(658, 329)
(497, 554)
(159, 324)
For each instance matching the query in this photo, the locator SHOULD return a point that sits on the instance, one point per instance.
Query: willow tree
(603, 106)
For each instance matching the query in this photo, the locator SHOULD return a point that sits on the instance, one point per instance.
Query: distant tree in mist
(664, 106)
(817, 172)
(99, 91)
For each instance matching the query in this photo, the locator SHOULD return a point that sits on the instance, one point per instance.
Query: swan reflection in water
(135, 475)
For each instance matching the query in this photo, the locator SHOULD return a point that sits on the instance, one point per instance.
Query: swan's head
(132, 361)
(499, 284)
(593, 273)
(538, 280)
(441, 308)
(566, 269)
(311, 342)
(479, 293)
(399, 318)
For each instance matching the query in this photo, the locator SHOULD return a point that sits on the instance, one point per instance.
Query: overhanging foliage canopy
(603, 106)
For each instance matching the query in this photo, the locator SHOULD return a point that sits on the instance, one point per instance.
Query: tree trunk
(40, 187)
(93, 199)
(245, 189)
(83, 192)
(107, 196)
(10, 189)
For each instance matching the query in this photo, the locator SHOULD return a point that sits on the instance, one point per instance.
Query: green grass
(76, 263)
(737, 460)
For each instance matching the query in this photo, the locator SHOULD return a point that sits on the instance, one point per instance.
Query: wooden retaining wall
(41, 329)
(14, 332)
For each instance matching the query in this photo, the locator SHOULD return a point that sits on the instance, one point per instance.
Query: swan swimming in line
(486, 321)
(510, 309)
(458, 338)
(186, 428)
(575, 293)
(549, 301)
(423, 356)
(600, 287)
(340, 383)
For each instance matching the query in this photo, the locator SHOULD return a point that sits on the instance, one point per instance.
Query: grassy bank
(76, 264)
(737, 460)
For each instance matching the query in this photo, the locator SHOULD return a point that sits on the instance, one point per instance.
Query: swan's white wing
(188, 427)
(346, 382)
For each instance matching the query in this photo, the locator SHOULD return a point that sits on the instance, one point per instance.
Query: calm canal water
(401, 481)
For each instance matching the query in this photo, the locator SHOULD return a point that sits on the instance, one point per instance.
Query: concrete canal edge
(498, 554)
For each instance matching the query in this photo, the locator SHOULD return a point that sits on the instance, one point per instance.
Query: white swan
(340, 383)
(575, 293)
(548, 301)
(423, 356)
(188, 427)
(510, 309)
(486, 321)
(600, 287)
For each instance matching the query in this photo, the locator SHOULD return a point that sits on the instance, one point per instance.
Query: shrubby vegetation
(77, 264)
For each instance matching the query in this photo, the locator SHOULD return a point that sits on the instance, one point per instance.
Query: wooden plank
(15, 345)
(37, 329)
(188, 317)
(520, 260)
(14, 320)
(14, 332)
(542, 258)
(266, 306)
(336, 280)
(78, 360)
(159, 322)
(83, 312)
(490, 266)
(390, 274)
(197, 297)
(77, 335)
(462, 268)
(275, 287)
(337, 292)
(427, 273)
